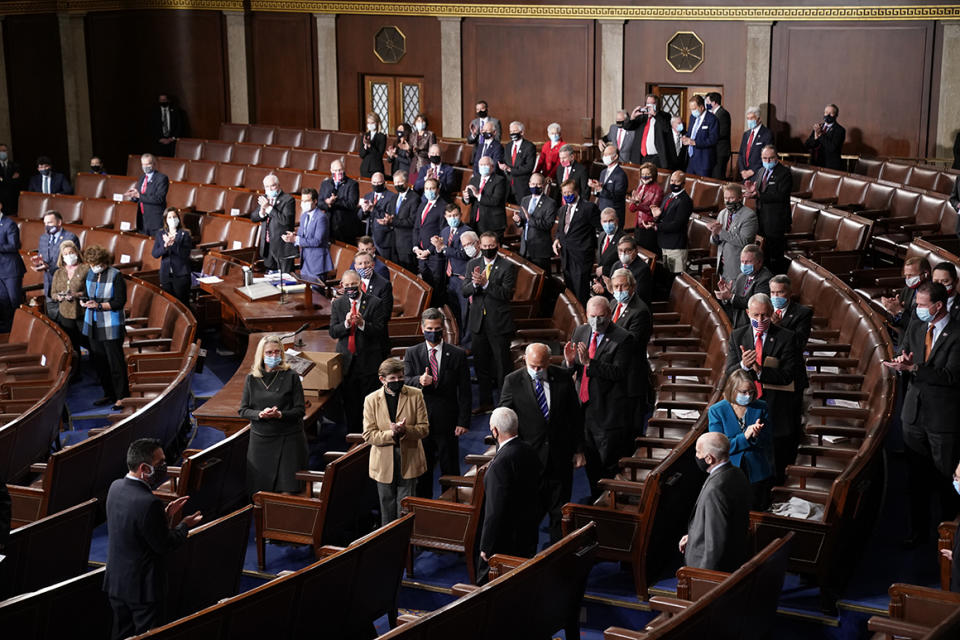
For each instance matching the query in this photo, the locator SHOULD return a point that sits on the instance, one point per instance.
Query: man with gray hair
(150, 194)
(511, 513)
(275, 212)
(519, 159)
(755, 138)
(716, 538)
(735, 228)
(620, 138)
(753, 278)
(569, 169)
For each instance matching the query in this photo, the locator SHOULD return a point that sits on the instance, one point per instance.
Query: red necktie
(620, 139)
(483, 182)
(434, 366)
(643, 142)
(363, 286)
(606, 243)
(143, 190)
(426, 210)
(513, 156)
(352, 340)
(584, 378)
(759, 347)
(746, 159)
(566, 173)
(616, 314)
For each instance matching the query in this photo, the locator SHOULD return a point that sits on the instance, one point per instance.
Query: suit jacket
(492, 302)
(637, 320)
(609, 406)
(175, 259)
(560, 435)
(703, 155)
(626, 148)
(675, 215)
(799, 319)
(579, 241)
(773, 202)
(49, 249)
(453, 251)
(489, 211)
(718, 527)
(520, 169)
(825, 151)
(662, 139)
(425, 228)
(723, 133)
(780, 344)
(744, 287)
(368, 339)
(11, 265)
(678, 152)
(10, 186)
(342, 214)
(58, 184)
(608, 258)
(448, 398)
(138, 540)
(535, 238)
(511, 512)
(382, 234)
(750, 159)
(641, 273)
(313, 238)
(753, 456)
(153, 201)
(578, 173)
(742, 231)
(372, 158)
(478, 123)
(492, 148)
(613, 191)
(177, 125)
(447, 178)
(932, 401)
(280, 220)
(376, 431)
(404, 217)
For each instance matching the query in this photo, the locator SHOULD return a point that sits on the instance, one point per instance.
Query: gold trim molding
(86, 6)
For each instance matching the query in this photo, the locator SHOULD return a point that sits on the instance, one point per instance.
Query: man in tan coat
(395, 414)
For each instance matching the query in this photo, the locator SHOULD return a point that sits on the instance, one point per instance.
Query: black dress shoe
(104, 401)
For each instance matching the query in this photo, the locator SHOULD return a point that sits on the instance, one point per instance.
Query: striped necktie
(541, 398)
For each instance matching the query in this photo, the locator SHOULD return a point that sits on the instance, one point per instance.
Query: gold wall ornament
(390, 44)
(685, 51)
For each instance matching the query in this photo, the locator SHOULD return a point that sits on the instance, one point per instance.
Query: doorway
(395, 99)
(674, 98)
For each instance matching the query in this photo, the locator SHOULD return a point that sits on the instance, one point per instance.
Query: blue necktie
(541, 398)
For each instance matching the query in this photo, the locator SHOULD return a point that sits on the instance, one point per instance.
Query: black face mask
(434, 159)
(482, 114)
(487, 135)
(395, 386)
(378, 188)
(489, 254)
(352, 292)
(620, 123)
(536, 190)
(400, 188)
(733, 206)
(433, 337)
(95, 168)
(515, 136)
(164, 104)
(45, 172)
(159, 475)
(399, 134)
(702, 464)
(676, 188)
(829, 119)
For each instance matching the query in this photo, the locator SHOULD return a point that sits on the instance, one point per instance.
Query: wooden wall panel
(35, 91)
(284, 65)
(355, 59)
(535, 71)
(725, 55)
(878, 74)
(132, 56)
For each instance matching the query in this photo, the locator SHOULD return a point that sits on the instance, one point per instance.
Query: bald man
(436, 169)
(551, 421)
(340, 197)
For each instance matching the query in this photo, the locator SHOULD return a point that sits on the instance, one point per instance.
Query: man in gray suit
(717, 535)
(735, 228)
(620, 138)
(476, 125)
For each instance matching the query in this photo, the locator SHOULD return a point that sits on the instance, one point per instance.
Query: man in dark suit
(678, 151)
(569, 169)
(151, 194)
(446, 177)
(442, 372)
(339, 197)
(607, 242)
(428, 222)
(276, 214)
(140, 532)
(370, 200)
(701, 139)
(611, 188)
(755, 138)
(366, 244)
(519, 158)
(772, 192)
(380, 207)
(902, 307)
(826, 140)
(536, 217)
(716, 538)
(797, 318)
(601, 354)
(49, 250)
(946, 274)
(579, 222)
(628, 253)
(486, 195)
(456, 245)
(551, 421)
(510, 501)
(930, 352)
(11, 271)
(10, 181)
(357, 322)
(488, 146)
(167, 123)
(632, 314)
(619, 137)
(714, 106)
(491, 281)
(47, 180)
(754, 278)
(374, 284)
(653, 141)
(482, 119)
(671, 219)
(399, 214)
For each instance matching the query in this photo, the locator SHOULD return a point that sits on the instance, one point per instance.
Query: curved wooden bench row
(85, 209)
(918, 613)
(643, 512)
(130, 251)
(908, 174)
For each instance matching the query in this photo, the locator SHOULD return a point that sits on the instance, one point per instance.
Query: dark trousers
(354, 388)
(543, 263)
(130, 619)
(10, 294)
(555, 490)
(931, 459)
(491, 360)
(773, 254)
(391, 495)
(111, 367)
(576, 274)
(178, 287)
(71, 327)
(603, 449)
(720, 169)
(388, 253)
(439, 447)
(460, 307)
(655, 158)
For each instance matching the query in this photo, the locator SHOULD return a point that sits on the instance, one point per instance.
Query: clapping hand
(331, 199)
(173, 510)
(479, 277)
(168, 239)
(270, 413)
(655, 211)
(399, 429)
(289, 236)
(892, 304)
(903, 362)
(582, 354)
(723, 291)
(751, 432)
(437, 242)
(569, 352)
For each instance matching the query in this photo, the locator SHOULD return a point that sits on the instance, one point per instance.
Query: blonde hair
(734, 380)
(256, 369)
(68, 244)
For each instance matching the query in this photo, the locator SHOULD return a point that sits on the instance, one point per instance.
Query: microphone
(299, 343)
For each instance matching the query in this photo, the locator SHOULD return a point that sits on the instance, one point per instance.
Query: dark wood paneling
(132, 56)
(535, 71)
(878, 74)
(725, 56)
(35, 90)
(355, 59)
(284, 69)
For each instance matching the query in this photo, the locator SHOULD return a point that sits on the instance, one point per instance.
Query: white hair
(505, 420)
(517, 123)
(554, 125)
(760, 298)
(753, 110)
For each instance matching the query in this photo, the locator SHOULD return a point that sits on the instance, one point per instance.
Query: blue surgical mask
(743, 399)
(751, 124)
(769, 165)
(453, 222)
(484, 169)
(956, 486)
(746, 268)
(420, 126)
(695, 113)
(554, 137)
(3, 155)
(272, 361)
(430, 195)
(679, 127)
(778, 302)
(924, 314)
(609, 228)
(272, 193)
(536, 375)
(621, 296)
(569, 198)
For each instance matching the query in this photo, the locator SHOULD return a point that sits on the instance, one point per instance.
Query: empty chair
(259, 134)
(231, 132)
(289, 180)
(287, 137)
(246, 153)
(70, 207)
(210, 198)
(190, 149)
(90, 185)
(182, 195)
(201, 172)
(274, 157)
(173, 168)
(229, 175)
(214, 151)
(98, 213)
(115, 186)
(313, 139)
(32, 206)
(303, 159)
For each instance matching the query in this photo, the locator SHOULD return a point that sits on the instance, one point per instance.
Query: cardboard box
(325, 375)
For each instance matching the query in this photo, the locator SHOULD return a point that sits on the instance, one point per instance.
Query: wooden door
(673, 98)
(395, 99)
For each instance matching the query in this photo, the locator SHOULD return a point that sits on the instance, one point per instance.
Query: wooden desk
(220, 411)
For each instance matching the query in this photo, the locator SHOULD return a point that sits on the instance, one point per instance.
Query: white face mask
(372, 128)
(306, 205)
(173, 223)
(97, 268)
(70, 259)
(625, 258)
(470, 250)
